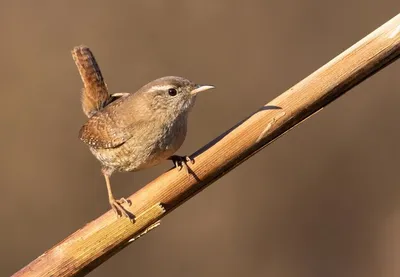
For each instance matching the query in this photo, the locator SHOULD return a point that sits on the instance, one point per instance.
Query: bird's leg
(116, 205)
(180, 162)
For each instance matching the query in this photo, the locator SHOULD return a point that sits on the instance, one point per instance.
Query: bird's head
(172, 95)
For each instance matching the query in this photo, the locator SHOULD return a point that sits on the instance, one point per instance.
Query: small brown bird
(132, 131)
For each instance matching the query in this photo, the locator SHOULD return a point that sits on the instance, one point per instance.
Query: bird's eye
(172, 92)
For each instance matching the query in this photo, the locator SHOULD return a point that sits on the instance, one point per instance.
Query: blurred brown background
(324, 200)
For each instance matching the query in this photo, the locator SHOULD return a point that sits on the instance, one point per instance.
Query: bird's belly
(137, 153)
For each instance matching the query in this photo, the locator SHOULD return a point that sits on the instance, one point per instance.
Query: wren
(132, 131)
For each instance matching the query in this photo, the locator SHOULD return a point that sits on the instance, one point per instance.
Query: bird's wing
(102, 131)
(117, 122)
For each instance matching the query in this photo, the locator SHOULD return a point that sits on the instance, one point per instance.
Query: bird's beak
(200, 88)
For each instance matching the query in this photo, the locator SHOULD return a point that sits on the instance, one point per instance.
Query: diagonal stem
(99, 240)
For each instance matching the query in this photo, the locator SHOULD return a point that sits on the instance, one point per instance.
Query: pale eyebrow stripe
(161, 87)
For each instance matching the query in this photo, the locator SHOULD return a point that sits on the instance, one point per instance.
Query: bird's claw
(125, 201)
(181, 162)
(117, 206)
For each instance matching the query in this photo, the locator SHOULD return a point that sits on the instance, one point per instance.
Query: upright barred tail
(95, 94)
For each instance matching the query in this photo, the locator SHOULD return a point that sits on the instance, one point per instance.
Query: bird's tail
(95, 94)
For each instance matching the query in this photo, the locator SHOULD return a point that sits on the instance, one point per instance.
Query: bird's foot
(117, 206)
(181, 162)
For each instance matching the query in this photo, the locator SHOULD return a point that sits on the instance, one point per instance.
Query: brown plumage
(95, 94)
(132, 131)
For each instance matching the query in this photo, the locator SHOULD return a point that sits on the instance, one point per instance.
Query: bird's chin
(189, 103)
(185, 106)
